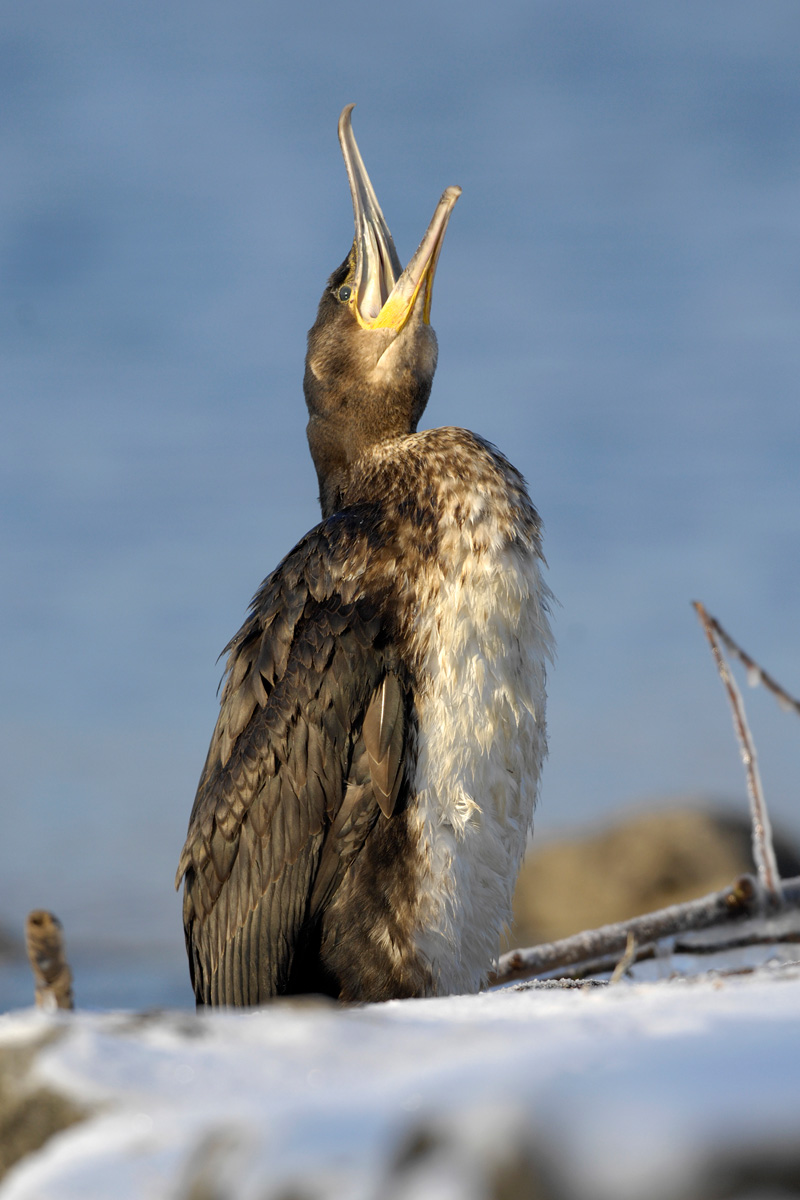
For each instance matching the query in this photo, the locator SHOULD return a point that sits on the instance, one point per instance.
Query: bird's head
(371, 351)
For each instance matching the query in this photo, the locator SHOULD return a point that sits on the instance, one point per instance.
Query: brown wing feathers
(308, 749)
(383, 739)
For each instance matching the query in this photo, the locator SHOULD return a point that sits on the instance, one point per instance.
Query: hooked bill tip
(344, 116)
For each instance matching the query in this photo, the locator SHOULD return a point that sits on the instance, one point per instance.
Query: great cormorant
(370, 784)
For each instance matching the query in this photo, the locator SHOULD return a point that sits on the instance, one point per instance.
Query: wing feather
(307, 753)
(383, 739)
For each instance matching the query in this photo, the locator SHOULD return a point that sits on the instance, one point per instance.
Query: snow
(640, 1089)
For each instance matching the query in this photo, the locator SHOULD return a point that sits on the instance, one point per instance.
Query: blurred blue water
(144, 978)
(617, 307)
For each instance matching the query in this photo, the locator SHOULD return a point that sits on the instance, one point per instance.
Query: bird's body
(365, 803)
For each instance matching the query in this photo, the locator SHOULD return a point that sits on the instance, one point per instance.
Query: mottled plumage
(369, 787)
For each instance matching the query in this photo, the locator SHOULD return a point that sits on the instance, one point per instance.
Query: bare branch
(755, 672)
(763, 851)
(45, 943)
(746, 898)
(627, 960)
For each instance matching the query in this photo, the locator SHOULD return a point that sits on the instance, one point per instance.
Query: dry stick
(763, 851)
(755, 672)
(45, 942)
(743, 900)
(627, 960)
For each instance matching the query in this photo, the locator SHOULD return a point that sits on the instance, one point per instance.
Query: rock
(29, 1113)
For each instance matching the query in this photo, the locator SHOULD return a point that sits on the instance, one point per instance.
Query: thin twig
(745, 898)
(45, 942)
(755, 672)
(737, 943)
(627, 960)
(763, 850)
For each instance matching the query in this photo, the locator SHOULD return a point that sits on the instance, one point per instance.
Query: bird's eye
(345, 293)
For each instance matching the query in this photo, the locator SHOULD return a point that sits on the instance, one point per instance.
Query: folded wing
(306, 757)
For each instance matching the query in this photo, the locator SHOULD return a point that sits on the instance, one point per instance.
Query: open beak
(384, 295)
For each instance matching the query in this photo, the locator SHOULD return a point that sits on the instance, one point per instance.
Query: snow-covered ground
(659, 1090)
